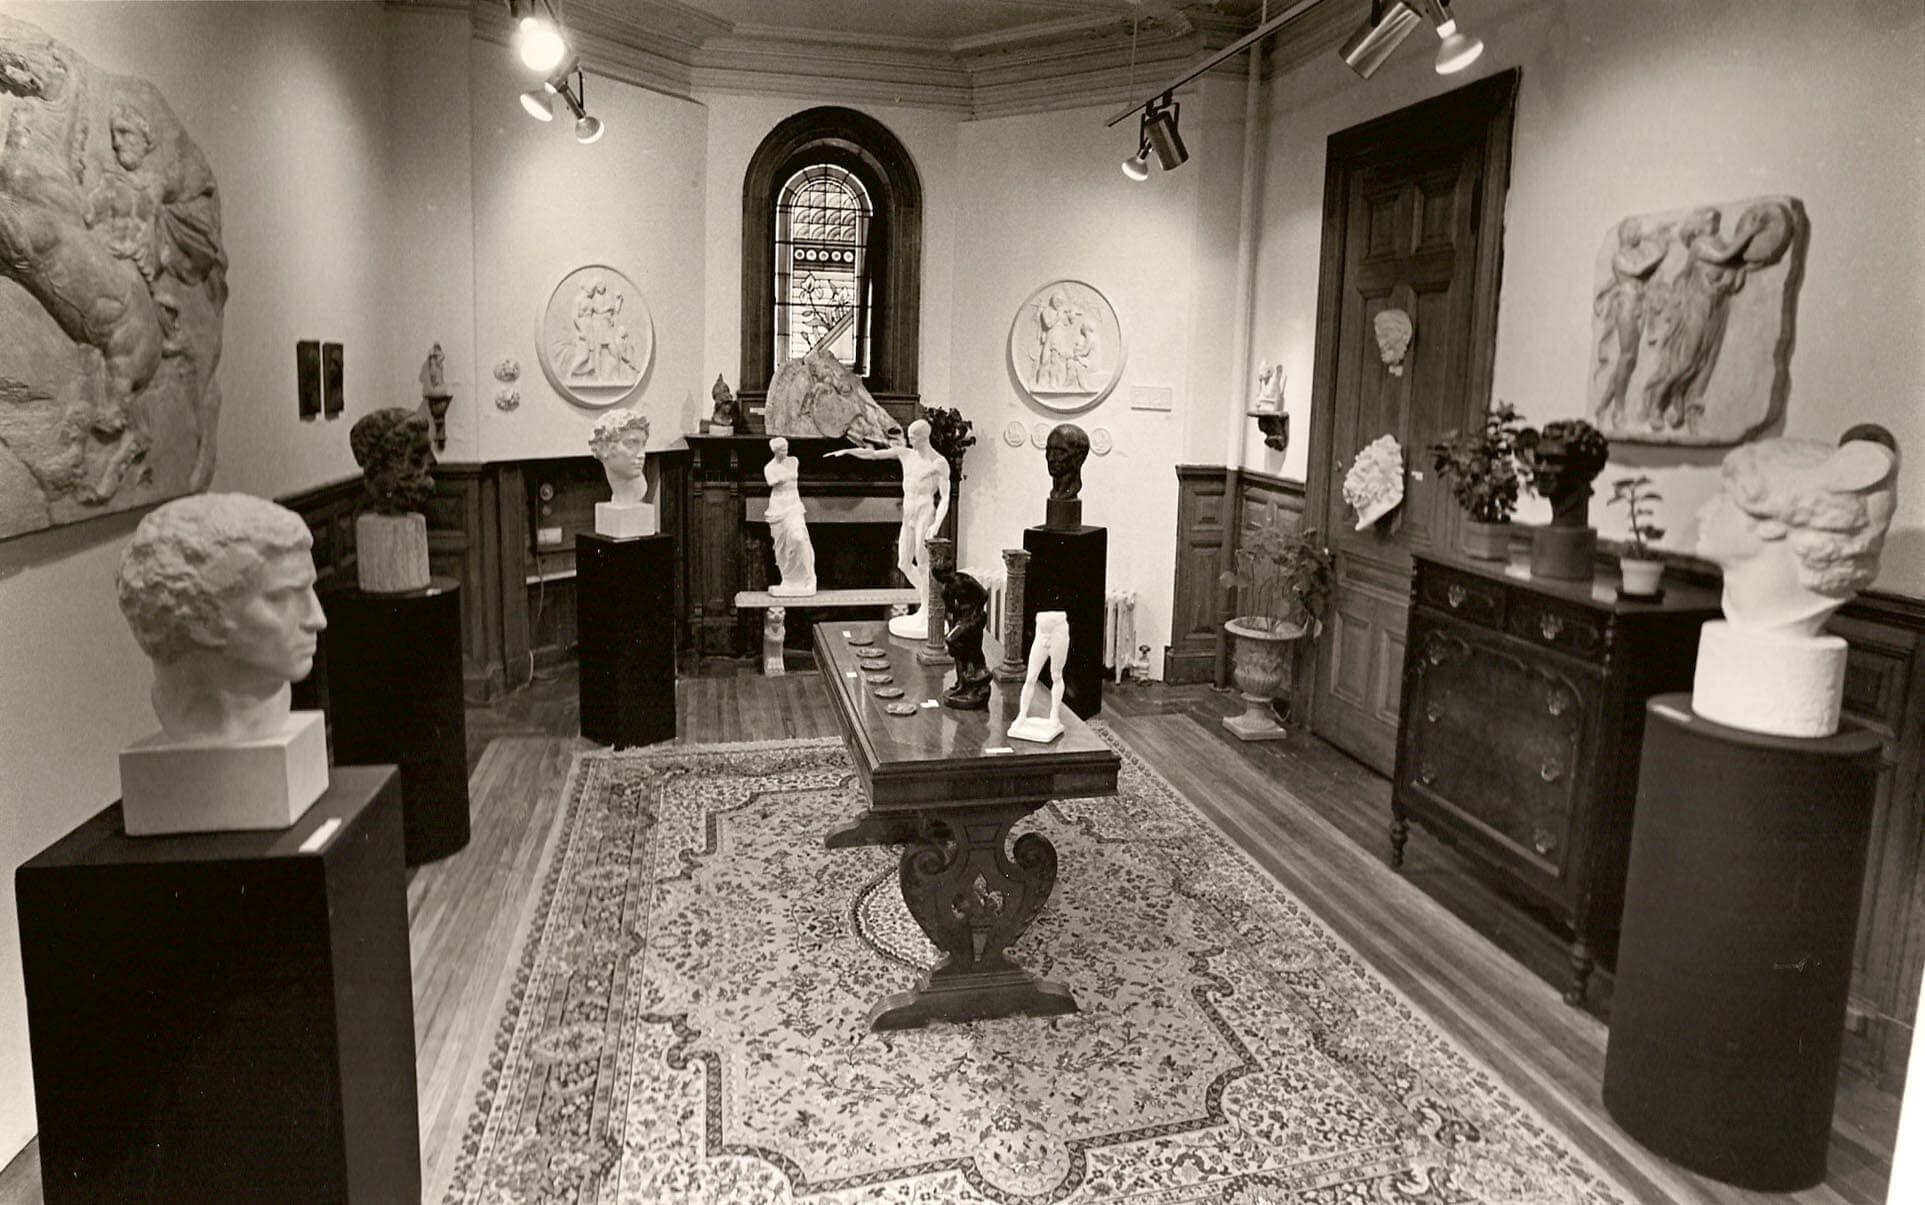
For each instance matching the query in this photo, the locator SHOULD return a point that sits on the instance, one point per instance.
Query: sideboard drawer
(1468, 598)
(1556, 624)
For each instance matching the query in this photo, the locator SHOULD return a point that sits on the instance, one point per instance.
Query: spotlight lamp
(1390, 22)
(537, 35)
(569, 83)
(1137, 166)
(1158, 134)
(1456, 49)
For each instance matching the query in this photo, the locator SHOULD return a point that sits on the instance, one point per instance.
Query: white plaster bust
(620, 441)
(1374, 486)
(219, 592)
(1798, 529)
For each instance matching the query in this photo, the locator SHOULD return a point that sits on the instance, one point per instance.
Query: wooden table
(948, 785)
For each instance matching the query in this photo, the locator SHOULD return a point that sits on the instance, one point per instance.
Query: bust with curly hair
(395, 449)
(1797, 528)
(619, 439)
(219, 592)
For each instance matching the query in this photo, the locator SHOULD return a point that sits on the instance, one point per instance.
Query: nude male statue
(925, 503)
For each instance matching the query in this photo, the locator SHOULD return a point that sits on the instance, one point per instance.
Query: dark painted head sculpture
(1065, 451)
(395, 449)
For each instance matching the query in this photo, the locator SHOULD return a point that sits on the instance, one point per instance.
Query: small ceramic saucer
(880, 679)
(888, 692)
(862, 641)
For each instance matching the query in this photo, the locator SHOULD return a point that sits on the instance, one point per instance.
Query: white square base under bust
(173, 787)
(624, 520)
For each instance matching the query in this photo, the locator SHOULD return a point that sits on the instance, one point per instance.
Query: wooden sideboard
(1523, 716)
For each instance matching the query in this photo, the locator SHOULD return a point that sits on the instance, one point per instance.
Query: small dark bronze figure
(1065, 451)
(966, 606)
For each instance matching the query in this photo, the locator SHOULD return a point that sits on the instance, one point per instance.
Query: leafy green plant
(1640, 500)
(1282, 576)
(1480, 466)
(949, 433)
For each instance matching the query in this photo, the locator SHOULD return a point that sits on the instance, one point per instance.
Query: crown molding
(1064, 62)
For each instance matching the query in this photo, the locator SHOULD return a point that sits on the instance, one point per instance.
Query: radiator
(993, 580)
(1119, 629)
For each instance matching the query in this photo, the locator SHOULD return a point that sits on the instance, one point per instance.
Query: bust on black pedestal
(1754, 811)
(395, 450)
(1067, 572)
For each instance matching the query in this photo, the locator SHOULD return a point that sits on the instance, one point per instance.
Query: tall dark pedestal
(624, 612)
(1068, 572)
(394, 698)
(1747, 857)
(226, 1016)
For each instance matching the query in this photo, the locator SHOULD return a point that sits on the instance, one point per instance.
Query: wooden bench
(775, 612)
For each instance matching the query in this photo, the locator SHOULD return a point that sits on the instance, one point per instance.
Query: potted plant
(1480, 468)
(1560, 463)
(1638, 563)
(951, 435)
(1283, 580)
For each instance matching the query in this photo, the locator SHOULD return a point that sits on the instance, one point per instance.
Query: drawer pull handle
(1550, 771)
(1455, 595)
(1426, 776)
(1433, 713)
(1543, 844)
(1552, 626)
(1557, 704)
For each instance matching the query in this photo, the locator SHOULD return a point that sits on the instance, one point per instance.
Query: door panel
(1404, 206)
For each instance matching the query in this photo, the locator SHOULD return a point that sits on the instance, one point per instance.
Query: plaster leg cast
(1051, 645)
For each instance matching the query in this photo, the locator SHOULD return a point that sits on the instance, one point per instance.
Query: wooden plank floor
(1308, 815)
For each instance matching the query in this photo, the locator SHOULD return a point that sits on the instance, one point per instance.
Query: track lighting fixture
(1137, 166)
(537, 35)
(1157, 133)
(571, 85)
(1390, 22)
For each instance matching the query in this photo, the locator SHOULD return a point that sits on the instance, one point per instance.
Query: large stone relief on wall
(596, 337)
(817, 394)
(113, 282)
(1066, 346)
(1692, 321)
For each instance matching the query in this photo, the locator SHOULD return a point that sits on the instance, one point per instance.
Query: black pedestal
(1747, 857)
(394, 698)
(625, 614)
(225, 1016)
(1067, 572)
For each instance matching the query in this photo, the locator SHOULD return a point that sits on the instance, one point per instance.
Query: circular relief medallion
(1100, 441)
(595, 338)
(1039, 434)
(888, 692)
(1015, 434)
(1066, 346)
(901, 708)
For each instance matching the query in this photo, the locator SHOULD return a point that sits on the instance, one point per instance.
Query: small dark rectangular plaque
(333, 389)
(307, 373)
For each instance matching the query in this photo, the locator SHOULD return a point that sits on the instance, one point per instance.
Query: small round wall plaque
(879, 679)
(901, 708)
(1015, 433)
(888, 692)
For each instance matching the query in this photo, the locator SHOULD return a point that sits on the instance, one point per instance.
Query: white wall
(545, 205)
(1643, 106)
(1043, 198)
(289, 103)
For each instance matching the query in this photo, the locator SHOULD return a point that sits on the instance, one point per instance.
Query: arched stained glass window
(822, 290)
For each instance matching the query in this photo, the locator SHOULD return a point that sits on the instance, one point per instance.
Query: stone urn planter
(1260, 660)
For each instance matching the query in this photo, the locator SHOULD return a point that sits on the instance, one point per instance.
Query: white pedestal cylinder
(1769, 682)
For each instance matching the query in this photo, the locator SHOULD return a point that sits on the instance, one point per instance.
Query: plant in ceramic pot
(1638, 562)
(1560, 462)
(1480, 468)
(1282, 577)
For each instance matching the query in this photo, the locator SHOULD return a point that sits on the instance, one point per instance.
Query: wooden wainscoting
(1212, 503)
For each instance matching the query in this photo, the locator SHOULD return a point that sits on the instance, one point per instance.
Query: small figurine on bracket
(619, 440)
(966, 607)
(395, 450)
(436, 394)
(788, 528)
(722, 421)
(1050, 645)
(1065, 451)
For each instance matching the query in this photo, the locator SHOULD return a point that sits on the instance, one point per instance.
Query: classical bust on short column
(619, 440)
(1797, 530)
(395, 449)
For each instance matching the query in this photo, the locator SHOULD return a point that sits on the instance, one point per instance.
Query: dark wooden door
(1413, 206)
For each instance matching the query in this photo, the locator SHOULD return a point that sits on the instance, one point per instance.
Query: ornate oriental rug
(687, 1023)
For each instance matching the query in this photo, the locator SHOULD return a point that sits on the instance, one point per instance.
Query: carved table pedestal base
(974, 900)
